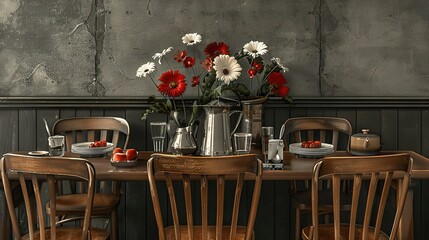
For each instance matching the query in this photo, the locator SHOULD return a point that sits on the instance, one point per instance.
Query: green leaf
(169, 104)
(217, 92)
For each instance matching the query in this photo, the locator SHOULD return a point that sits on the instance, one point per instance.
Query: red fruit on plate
(119, 157)
(318, 144)
(96, 144)
(131, 154)
(117, 150)
(102, 143)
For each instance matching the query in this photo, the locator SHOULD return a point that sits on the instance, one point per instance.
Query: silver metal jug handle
(238, 121)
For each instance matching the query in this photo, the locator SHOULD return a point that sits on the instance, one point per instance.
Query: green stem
(153, 81)
(184, 109)
(174, 104)
(168, 63)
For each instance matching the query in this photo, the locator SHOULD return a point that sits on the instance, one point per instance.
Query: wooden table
(294, 168)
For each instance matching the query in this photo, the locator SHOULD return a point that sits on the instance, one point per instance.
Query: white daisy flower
(279, 64)
(227, 68)
(146, 69)
(255, 48)
(161, 54)
(191, 39)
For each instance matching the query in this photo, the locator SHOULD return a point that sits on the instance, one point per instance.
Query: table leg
(406, 227)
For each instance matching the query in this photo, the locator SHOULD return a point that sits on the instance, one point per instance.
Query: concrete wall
(332, 47)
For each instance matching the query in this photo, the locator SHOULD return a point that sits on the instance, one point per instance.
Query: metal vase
(184, 141)
(252, 122)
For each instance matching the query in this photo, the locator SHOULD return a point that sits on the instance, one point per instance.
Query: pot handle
(238, 121)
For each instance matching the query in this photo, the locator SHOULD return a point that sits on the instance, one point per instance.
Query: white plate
(324, 150)
(84, 149)
(38, 153)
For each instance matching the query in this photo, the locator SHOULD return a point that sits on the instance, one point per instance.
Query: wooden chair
(326, 130)
(203, 169)
(41, 169)
(380, 170)
(90, 129)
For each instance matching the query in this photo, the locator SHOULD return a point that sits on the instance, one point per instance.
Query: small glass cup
(158, 131)
(242, 143)
(56, 146)
(267, 134)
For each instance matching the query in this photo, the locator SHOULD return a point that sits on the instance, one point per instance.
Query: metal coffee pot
(217, 133)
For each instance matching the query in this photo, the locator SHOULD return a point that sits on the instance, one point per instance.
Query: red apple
(102, 143)
(131, 154)
(119, 157)
(117, 150)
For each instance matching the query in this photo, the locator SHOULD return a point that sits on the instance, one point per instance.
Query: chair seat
(169, 232)
(68, 233)
(302, 200)
(75, 203)
(326, 231)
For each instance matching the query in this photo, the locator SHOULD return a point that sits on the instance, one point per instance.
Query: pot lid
(365, 133)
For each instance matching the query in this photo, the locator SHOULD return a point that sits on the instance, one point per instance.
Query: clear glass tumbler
(158, 131)
(242, 142)
(266, 135)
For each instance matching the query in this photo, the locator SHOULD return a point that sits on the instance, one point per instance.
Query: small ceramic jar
(365, 144)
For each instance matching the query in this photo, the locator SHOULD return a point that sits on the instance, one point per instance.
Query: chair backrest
(203, 169)
(90, 129)
(324, 129)
(379, 170)
(38, 169)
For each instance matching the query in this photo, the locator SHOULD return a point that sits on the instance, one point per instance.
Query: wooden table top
(294, 168)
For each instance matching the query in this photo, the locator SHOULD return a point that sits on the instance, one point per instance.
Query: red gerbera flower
(276, 81)
(180, 56)
(207, 64)
(258, 66)
(282, 91)
(215, 49)
(173, 83)
(195, 81)
(251, 72)
(189, 62)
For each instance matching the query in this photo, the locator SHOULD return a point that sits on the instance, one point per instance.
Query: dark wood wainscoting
(402, 123)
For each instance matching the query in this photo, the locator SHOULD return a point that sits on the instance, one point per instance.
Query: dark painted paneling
(26, 125)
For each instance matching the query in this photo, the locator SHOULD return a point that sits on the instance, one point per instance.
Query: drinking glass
(242, 143)
(158, 131)
(56, 146)
(267, 134)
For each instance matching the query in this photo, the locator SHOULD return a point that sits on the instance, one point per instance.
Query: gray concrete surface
(332, 47)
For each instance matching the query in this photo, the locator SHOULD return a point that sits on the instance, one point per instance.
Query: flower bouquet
(217, 73)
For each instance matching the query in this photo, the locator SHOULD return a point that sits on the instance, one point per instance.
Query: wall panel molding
(141, 102)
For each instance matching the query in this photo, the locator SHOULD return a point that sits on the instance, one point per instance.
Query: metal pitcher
(217, 133)
(183, 142)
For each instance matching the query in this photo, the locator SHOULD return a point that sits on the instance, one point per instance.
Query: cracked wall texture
(332, 47)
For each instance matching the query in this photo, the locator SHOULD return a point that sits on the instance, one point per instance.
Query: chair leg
(114, 225)
(297, 224)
